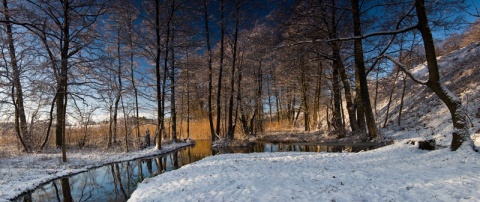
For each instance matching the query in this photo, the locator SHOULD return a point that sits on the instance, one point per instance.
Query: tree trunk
(360, 69)
(125, 124)
(119, 89)
(132, 78)
(18, 91)
(336, 111)
(362, 125)
(329, 124)
(318, 92)
(220, 68)
(376, 94)
(231, 128)
(158, 133)
(50, 120)
(188, 103)
(172, 85)
(110, 125)
(404, 88)
(337, 63)
(277, 104)
(305, 101)
(461, 137)
(337, 96)
(210, 71)
(239, 99)
(259, 104)
(115, 117)
(390, 99)
(289, 114)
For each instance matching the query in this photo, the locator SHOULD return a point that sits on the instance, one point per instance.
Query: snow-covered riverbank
(19, 174)
(399, 172)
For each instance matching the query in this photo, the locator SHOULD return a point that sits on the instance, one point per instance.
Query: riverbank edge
(121, 157)
(317, 137)
(303, 137)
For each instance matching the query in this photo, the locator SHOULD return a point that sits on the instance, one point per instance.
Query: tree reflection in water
(67, 192)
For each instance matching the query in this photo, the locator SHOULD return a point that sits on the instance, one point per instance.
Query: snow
(20, 174)
(400, 172)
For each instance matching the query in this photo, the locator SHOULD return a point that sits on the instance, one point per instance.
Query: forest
(99, 73)
(160, 100)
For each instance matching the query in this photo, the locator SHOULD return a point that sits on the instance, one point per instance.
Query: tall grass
(276, 126)
(97, 135)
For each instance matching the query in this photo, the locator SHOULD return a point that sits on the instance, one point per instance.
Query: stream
(117, 181)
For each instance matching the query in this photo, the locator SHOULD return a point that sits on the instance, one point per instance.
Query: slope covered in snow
(424, 115)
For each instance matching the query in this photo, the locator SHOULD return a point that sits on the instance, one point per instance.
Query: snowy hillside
(424, 115)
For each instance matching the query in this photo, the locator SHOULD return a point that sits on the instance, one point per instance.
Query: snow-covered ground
(19, 174)
(399, 172)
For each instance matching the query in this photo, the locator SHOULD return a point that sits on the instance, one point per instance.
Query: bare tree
(67, 31)
(460, 133)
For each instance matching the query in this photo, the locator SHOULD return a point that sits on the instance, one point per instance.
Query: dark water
(116, 182)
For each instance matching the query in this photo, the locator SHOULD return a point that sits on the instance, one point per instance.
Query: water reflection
(116, 182)
(298, 147)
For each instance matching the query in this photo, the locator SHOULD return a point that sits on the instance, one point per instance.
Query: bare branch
(376, 34)
(351, 38)
(404, 69)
